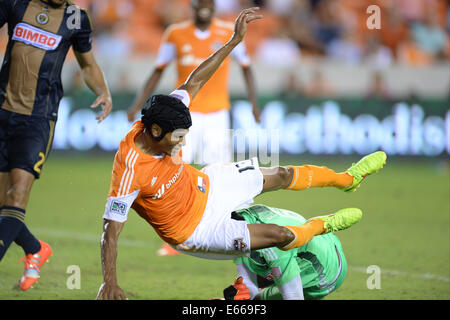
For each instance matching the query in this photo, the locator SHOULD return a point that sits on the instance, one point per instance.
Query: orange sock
(304, 233)
(309, 176)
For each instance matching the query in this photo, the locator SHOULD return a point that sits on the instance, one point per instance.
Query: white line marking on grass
(427, 276)
(63, 234)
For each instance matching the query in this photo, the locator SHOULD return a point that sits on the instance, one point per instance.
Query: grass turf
(405, 231)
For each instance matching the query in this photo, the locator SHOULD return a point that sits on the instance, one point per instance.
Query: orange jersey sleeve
(168, 193)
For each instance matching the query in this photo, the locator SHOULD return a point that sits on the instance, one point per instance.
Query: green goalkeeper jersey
(320, 263)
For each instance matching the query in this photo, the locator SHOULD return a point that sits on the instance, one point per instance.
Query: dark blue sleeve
(5, 11)
(82, 39)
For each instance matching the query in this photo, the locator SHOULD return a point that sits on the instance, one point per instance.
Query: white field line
(427, 276)
(143, 244)
(63, 234)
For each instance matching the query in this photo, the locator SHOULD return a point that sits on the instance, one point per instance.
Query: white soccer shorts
(232, 187)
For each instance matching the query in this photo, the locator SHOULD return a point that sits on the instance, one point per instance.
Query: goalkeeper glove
(237, 291)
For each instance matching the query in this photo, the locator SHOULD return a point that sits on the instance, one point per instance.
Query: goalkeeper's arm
(249, 279)
(291, 290)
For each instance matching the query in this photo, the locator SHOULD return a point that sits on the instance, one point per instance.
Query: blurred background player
(40, 35)
(189, 43)
(311, 271)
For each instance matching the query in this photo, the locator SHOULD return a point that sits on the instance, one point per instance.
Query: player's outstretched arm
(206, 69)
(251, 88)
(110, 290)
(95, 80)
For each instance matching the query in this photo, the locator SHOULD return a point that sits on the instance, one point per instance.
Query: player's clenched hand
(106, 102)
(244, 18)
(110, 291)
(238, 291)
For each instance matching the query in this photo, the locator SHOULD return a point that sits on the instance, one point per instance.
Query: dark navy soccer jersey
(39, 39)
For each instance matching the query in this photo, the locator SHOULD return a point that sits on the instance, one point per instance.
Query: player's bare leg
(294, 236)
(272, 235)
(18, 187)
(4, 186)
(276, 178)
(310, 176)
(269, 235)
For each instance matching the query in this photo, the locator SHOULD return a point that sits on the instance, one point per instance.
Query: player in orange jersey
(191, 209)
(189, 43)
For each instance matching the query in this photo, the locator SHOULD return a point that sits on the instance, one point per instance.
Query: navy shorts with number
(25, 142)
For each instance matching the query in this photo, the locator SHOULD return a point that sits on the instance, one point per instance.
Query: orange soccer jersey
(191, 48)
(169, 194)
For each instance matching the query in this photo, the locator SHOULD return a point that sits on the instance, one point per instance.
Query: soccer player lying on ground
(190, 209)
(311, 271)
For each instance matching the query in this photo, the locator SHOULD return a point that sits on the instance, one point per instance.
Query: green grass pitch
(405, 231)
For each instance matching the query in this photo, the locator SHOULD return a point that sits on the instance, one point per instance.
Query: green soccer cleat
(340, 220)
(364, 167)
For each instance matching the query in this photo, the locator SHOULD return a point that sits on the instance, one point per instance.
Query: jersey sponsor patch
(165, 187)
(119, 207)
(36, 37)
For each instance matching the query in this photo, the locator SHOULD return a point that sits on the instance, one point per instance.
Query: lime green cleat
(340, 220)
(364, 167)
